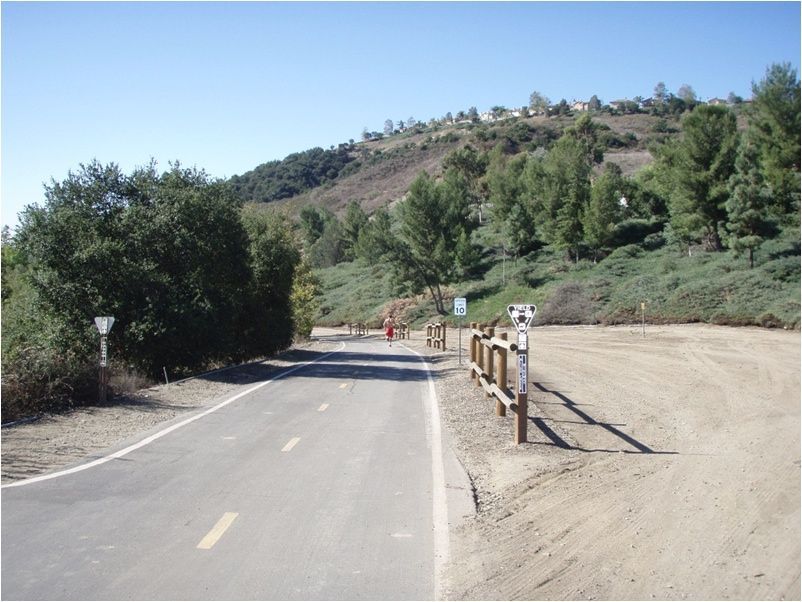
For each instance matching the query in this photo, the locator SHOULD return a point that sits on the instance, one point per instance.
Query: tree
(586, 132)
(388, 127)
(266, 321)
(594, 104)
(701, 165)
(511, 205)
(473, 114)
(355, 220)
(471, 165)
(748, 203)
(313, 222)
(427, 254)
(774, 121)
(603, 211)
(687, 94)
(562, 108)
(538, 103)
(660, 97)
(561, 194)
(166, 255)
(304, 299)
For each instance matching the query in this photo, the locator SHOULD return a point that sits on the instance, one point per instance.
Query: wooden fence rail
(436, 336)
(489, 370)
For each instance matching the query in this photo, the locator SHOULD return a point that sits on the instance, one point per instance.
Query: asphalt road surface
(324, 483)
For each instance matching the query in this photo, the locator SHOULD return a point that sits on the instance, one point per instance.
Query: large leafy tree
(167, 255)
(432, 246)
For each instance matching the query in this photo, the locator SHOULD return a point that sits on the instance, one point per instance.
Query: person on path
(389, 331)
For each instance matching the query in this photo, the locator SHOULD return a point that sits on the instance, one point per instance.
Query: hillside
(675, 284)
(382, 170)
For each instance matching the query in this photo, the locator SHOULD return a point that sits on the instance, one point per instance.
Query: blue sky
(228, 86)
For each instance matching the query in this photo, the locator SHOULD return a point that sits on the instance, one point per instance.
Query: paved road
(324, 484)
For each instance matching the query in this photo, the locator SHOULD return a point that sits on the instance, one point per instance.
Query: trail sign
(460, 306)
(522, 316)
(104, 324)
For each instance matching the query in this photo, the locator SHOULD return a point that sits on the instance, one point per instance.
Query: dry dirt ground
(664, 467)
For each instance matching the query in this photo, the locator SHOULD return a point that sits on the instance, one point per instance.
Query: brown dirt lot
(665, 467)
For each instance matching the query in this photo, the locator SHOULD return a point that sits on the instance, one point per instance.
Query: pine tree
(748, 204)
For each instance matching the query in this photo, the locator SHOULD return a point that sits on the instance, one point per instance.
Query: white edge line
(439, 500)
(167, 431)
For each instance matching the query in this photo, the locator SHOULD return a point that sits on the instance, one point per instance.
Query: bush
(569, 303)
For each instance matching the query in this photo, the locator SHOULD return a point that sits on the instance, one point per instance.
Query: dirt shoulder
(665, 467)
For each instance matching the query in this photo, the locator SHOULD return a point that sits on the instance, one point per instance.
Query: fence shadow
(587, 419)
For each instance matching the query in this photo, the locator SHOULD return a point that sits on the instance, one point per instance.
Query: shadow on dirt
(570, 404)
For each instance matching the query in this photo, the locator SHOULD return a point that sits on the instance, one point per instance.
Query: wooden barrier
(489, 370)
(401, 331)
(436, 336)
(358, 328)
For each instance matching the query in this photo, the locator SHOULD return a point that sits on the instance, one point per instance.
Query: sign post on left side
(460, 310)
(104, 324)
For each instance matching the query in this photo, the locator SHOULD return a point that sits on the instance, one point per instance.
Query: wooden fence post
(473, 346)
(480, 356)
(521, 411)
(490, 332)
(501, 375)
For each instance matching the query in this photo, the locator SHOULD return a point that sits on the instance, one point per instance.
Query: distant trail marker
(104, 324)
(522, 316)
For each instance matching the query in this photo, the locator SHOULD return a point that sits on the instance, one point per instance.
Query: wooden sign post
(522, 316)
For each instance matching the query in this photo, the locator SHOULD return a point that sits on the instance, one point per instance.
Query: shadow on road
(339, 364)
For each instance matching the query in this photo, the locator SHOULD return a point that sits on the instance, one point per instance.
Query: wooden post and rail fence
(489, 371)
(436, 336)
(358, 328)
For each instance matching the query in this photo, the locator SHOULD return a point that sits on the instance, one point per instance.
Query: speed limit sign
(460, 306)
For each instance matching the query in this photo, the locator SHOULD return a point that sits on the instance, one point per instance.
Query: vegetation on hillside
(558, 208)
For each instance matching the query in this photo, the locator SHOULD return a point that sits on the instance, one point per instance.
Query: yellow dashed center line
(213, 536)
(323, 407)
(292, 443)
